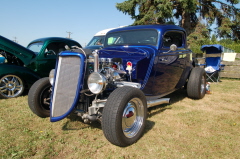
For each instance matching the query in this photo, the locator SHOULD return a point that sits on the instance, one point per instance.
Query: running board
(152, 103)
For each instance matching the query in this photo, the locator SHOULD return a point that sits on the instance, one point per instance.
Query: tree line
(205, 21)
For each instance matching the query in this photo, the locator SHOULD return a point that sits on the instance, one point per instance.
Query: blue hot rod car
(137, 66)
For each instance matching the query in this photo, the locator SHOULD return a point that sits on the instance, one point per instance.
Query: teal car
(20, 67)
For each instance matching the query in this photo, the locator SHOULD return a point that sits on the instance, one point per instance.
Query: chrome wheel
(11, 86)
(132, 118)
(124, 116)
(203, 84)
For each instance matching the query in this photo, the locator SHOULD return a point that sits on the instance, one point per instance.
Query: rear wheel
(196, 86)
(11, 86)
(124, 116)
(39, 97)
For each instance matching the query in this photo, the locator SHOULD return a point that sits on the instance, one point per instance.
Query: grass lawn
(186, 128)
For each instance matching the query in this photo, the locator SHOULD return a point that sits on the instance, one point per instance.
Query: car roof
(104, 32)
(159, 27)
(53, 39)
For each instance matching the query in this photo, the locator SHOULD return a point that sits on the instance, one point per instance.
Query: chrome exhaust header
(155, 102)
(96, 61)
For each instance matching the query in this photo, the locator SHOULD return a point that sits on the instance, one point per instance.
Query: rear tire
(196, 86)
(124, 116)
(39, 97)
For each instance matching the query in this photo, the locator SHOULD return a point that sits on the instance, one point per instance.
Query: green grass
(186, 128)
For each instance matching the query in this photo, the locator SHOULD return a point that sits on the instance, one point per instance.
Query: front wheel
(196, 86)
(39, 97)
(124, 116)
(11, 86)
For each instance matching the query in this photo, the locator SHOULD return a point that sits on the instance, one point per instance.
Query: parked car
(20, 67)
(98, 39)
(136, 68)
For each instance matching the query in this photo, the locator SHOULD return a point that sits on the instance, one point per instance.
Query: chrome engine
(107, 74)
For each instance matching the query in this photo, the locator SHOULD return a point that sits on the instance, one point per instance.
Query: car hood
(21, 52)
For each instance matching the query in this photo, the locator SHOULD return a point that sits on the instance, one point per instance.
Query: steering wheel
(51, 52)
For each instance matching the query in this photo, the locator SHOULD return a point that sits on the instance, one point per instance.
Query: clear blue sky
(28, 20)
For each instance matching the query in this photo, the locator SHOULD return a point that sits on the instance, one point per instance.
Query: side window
(172, 38)
(56, 47)
(115, 40)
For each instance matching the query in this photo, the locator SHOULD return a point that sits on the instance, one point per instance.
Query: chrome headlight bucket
(96, 82)
(51, 76)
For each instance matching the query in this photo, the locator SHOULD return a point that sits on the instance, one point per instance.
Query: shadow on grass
(174, 97)
(76, 123)
(177, 95)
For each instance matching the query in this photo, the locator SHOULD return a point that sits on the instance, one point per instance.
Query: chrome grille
(65, 84)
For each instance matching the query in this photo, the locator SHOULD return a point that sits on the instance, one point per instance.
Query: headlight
(96, 83)
(51, 76)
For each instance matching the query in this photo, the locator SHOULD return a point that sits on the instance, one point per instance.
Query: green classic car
(20, 67)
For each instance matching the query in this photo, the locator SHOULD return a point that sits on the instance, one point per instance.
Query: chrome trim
(151, 103)
(203, 85)
(96, 61)
(96, 104)
(67, 76)
(131, 84)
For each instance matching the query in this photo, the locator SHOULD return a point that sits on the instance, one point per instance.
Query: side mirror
(50, 52)
(173, 47)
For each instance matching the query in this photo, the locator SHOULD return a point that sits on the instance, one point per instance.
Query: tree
(200, 36)
(185, 13)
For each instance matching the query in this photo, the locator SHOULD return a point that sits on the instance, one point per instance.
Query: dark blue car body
(158, 70)
(115, 85)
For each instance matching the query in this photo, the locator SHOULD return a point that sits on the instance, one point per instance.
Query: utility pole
(69, 33)
(15, 39)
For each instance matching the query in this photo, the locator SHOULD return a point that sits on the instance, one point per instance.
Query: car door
(169, 65)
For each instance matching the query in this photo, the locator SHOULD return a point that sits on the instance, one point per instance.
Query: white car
(98, 39)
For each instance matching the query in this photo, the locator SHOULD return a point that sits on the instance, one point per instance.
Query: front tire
(124, 116)
(196, 86)
(39, 97)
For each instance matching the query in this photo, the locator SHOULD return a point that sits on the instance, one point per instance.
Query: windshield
(96, 40)
(132, 37)
(35, 47)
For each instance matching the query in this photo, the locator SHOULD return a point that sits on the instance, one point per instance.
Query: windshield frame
(36, 47)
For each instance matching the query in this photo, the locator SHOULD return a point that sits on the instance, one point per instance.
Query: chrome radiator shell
(67, 86)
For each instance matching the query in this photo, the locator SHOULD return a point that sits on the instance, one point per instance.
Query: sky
(27, 20)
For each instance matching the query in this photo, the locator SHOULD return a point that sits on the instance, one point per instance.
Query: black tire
(11, 86)
(39, 97)
(196, 86)
(124, 116)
